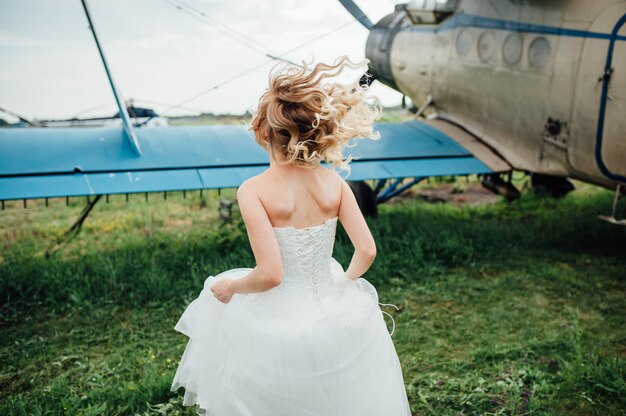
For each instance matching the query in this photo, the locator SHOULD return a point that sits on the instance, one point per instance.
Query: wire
(227, 30)
(203, 18)
(216, 86)
(21, 118)
(162, 104)
(91, 109)
(130, 100)
(224, 28)
(255, 67)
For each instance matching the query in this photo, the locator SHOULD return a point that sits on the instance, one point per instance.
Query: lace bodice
(306, 255)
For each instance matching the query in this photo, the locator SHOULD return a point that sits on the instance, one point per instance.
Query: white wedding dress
(315, 345)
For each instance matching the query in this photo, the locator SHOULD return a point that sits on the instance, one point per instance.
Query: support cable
(257, 66)
(74, 229)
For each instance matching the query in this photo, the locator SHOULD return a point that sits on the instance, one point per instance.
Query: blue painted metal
(461, 19)
(50, 162)
(417, 167)
(603, 102)
(128, 128)
(381, 196)
(393, 189)
(380, 184)
(66, 150)
(432, 143)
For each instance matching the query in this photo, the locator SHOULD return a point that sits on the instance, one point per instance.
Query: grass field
(506, 309)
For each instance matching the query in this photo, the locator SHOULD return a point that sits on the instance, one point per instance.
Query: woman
(296, 335)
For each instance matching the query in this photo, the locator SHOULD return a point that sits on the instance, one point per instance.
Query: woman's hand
(223, 290)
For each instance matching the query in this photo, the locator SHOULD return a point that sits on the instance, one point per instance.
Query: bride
(296, 335)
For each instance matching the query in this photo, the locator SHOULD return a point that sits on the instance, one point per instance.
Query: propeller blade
(358, 14)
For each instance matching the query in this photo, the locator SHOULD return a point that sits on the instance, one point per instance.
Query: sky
(161, 56)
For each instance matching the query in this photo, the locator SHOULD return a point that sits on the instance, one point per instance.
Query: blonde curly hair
(306, 121)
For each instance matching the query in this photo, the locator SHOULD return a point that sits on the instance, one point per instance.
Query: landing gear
(499, 186)
(368, 198)
(613, 217)
(365, 197)
(556, 186)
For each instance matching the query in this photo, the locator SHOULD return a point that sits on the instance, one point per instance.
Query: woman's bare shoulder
(335, 185)
(332, 174)
(253, 185)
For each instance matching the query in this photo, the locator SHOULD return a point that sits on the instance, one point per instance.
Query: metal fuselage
(541, 82)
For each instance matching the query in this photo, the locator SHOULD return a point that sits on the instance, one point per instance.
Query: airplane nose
(379, 42)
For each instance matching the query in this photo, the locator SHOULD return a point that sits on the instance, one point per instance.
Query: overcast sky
(160, 55)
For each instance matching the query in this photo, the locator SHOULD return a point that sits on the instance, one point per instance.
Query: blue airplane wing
(57, 162)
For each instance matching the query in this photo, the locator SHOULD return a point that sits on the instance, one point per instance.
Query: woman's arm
(268, 272)
(354, 223)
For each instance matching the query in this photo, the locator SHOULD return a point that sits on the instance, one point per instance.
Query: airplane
(38, 162)
(466, 135)
(542, 84)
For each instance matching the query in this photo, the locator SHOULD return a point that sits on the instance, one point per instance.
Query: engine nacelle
(378, 47)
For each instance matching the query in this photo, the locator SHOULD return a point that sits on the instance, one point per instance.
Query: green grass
(506, 309)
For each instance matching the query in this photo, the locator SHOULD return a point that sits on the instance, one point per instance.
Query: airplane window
(486, 45)
(463, 42)
(512, 49)
(430, 11)
(539, 52)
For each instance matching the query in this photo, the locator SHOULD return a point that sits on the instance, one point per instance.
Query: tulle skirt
(270, 354)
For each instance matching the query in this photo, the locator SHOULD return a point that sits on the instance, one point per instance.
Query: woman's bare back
(299, 197)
